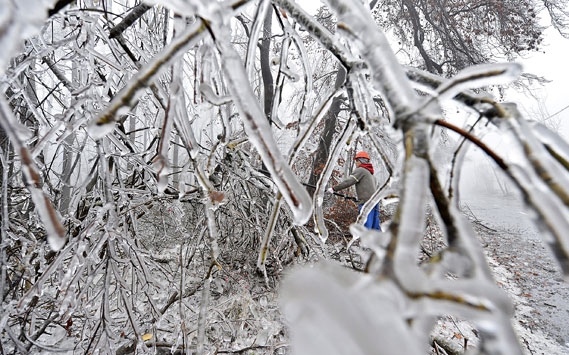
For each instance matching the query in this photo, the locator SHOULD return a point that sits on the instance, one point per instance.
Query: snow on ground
(526, 270)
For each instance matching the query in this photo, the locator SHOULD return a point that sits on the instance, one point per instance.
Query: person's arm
(354, 178)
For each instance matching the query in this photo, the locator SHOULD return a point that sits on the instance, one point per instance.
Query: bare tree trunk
(268, 82)
(328, 134)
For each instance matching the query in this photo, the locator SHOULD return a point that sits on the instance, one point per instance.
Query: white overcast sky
(552, 63)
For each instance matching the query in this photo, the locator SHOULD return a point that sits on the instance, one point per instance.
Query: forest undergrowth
(244, 316)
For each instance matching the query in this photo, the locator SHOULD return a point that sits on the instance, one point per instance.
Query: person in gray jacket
(365, 183)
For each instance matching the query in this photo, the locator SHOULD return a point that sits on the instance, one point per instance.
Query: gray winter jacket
(365, 184)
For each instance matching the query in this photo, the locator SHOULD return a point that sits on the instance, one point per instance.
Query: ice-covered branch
(546, 174)
(259, 130)
(128, 95)
(545, 186)
(308, 93)
(129, 19)
(318, 31)
(269, 231)
(307, 129)
(44, 208)
(343, 140)
(387, 74)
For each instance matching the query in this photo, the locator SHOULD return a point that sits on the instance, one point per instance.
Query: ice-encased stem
(46, 211)
(306, 106)
(311, 125)
(280, 80)
(387, 74)
(301, 139)
(162, 163)
(551, 171)
(475, 296)
(479, 76)
(544, 185)
(128, 95)
(264, 248)
(4, 224)
(125, 298)
(327, 39)
(343, 140)
(259, 131)
(202, 319)
(554, 144)
(407, 225)
(183, 124)
(262, 10)
(209, 201)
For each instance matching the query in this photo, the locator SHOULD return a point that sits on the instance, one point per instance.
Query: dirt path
(527, 271)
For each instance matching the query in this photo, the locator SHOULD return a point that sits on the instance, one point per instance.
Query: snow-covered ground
(526, 270)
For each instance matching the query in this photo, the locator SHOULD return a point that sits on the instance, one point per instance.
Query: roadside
(525, 269)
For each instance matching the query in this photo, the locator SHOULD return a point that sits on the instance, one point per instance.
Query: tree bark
(268, 82)
(132, 16)
(328, 134)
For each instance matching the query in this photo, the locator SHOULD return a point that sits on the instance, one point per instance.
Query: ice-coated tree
(152, 158)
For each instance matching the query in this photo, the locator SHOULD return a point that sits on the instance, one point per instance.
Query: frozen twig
(127, 96)
(259, 131)
(46, 211)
